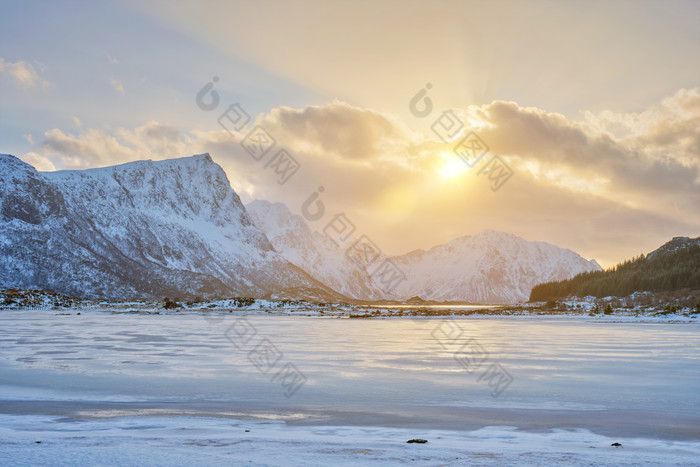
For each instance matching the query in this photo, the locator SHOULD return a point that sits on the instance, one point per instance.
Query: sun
(452, 166)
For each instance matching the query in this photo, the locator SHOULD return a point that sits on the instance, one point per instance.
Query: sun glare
(451, 166)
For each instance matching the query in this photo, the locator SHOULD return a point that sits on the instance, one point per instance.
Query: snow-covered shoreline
(168, 441)
(390, 314)
(586, 309)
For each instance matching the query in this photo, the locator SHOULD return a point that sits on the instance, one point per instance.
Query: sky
(576, 123)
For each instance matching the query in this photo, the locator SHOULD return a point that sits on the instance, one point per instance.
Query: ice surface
(130, 389)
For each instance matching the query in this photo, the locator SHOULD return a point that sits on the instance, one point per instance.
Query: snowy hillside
(490, 267)
(136, 230)
(313, 252)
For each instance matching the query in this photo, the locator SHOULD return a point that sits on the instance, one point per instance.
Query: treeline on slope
(660, 273)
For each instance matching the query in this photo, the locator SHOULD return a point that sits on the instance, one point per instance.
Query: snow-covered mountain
(177, 228)
(490, 267)
(313, 252)
(142, 229)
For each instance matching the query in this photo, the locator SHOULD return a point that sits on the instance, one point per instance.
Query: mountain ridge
(434, 282)
(140, 229)
(313, 252)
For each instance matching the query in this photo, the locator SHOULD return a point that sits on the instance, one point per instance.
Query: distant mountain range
(490, 267)
(176, 228)
(674, 266)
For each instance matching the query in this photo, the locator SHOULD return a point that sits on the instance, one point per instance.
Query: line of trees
(661, 273)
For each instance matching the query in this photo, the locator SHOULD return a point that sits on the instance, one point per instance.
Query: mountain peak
(8, 160)
(489, 267)
(205, 156)
(487, 232)
(675, 244)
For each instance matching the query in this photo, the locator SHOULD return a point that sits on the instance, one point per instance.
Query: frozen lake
(612, 380)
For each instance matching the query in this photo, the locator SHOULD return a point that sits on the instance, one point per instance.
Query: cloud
(116, 84)
(576, 184)
(77, 122)
(40, 163)
(670, 129)
(339, 130)
(652, 162)
(23, 74)
(96, 147)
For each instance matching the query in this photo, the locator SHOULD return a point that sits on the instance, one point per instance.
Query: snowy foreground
(237, 388)
(168, 441)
